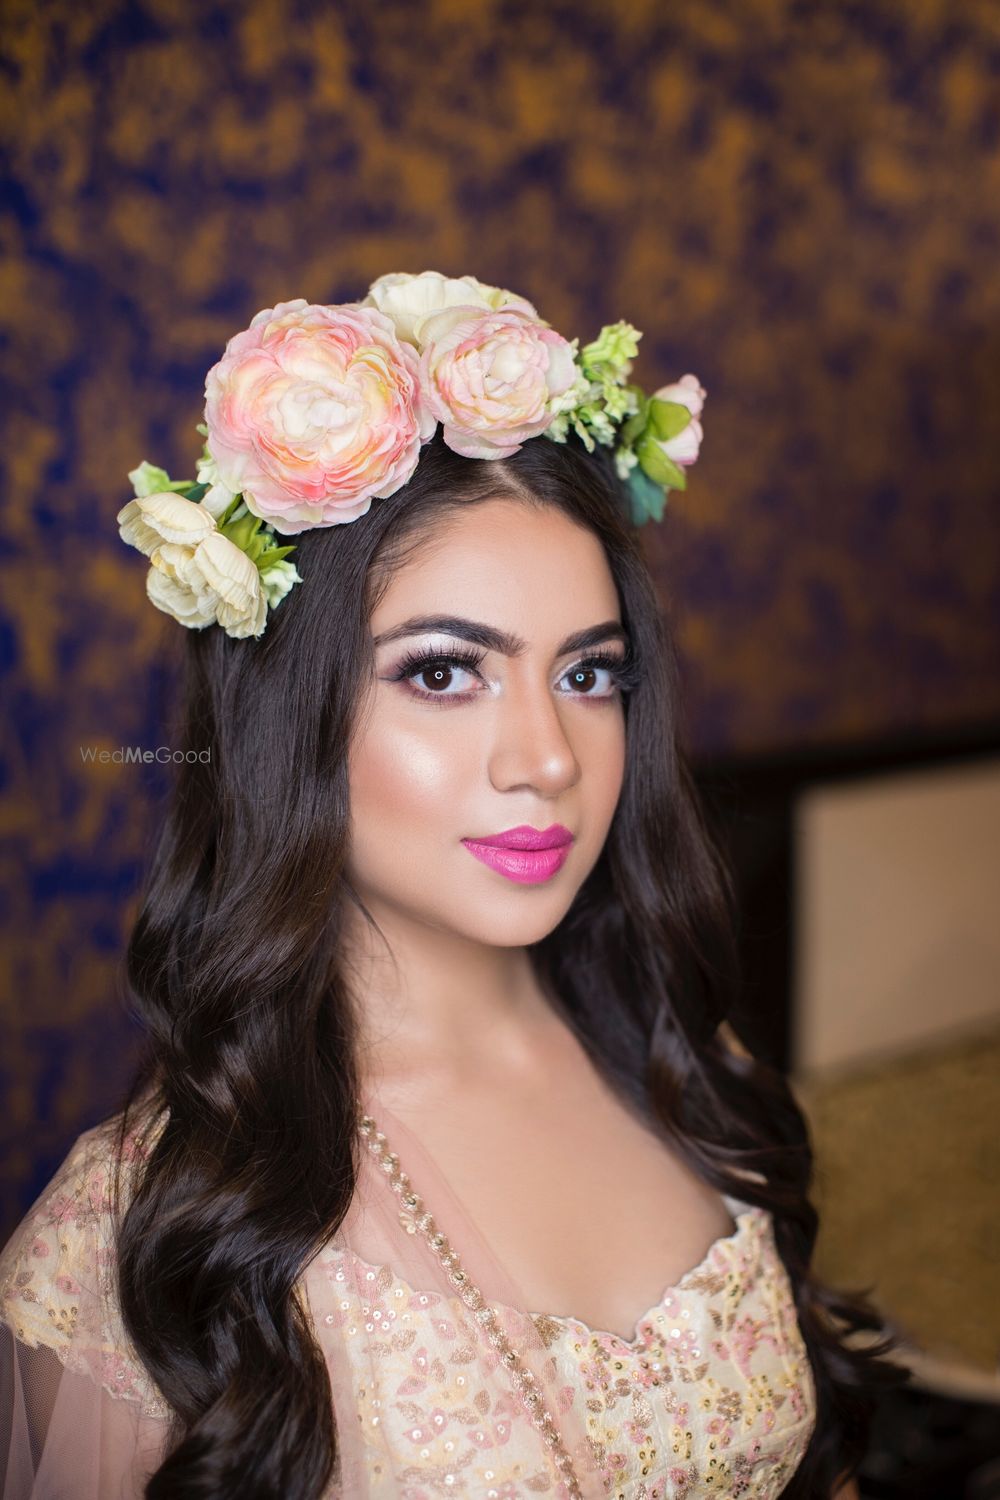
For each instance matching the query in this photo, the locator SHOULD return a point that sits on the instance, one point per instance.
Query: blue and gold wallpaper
(800, 202)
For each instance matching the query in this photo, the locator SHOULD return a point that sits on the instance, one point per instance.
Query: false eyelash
(624, 669)
(416, 661)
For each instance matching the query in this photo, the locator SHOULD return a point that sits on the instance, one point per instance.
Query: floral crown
(315, 411)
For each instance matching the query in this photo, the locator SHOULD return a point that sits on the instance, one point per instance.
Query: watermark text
(136, 755)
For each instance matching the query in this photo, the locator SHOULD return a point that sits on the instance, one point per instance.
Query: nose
(531, 747)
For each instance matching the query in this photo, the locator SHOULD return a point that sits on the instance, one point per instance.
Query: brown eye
(439, 672)
(435, 678)
(583, 677)
(606, 672)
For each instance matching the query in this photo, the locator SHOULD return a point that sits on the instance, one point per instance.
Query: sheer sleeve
(79, 1416)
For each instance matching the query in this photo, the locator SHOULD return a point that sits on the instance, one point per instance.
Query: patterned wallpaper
(798, 201)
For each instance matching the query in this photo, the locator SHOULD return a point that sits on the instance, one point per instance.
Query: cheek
(402, 780)
(604, 767)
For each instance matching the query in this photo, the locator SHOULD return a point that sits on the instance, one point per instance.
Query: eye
(617, 672)
(601, 675)
(438, 669)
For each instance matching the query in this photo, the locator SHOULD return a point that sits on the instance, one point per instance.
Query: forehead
(523, 566)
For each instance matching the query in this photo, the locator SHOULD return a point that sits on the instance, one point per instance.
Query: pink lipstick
(525, 854)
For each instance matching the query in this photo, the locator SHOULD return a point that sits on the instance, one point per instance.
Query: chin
(514, 922)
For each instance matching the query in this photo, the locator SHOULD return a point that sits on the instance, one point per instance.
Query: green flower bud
(147, 479)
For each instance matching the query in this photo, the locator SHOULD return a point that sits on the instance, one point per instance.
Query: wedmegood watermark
(135, 755)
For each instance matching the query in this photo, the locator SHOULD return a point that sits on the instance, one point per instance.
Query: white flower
(150, 520)
(217, 498)
(574, 395)
(197, 575)
(277, 580)
(625, 462)
(408, 299)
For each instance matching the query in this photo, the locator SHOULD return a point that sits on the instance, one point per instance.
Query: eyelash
(623, 669)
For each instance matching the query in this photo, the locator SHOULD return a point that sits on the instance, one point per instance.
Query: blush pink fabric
(712, 1396)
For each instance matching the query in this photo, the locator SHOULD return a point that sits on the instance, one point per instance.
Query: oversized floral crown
(315, 411)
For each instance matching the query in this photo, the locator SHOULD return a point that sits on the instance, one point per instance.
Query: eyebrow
(492, 639)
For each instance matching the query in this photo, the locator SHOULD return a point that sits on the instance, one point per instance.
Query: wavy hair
(249, 1064)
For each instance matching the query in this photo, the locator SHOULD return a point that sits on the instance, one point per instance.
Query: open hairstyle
(252, 1025)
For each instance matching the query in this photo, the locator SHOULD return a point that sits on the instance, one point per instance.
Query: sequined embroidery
(712, 1398)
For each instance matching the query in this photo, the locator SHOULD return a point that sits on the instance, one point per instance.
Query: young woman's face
(521, 734)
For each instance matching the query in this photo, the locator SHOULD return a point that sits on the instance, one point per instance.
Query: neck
(437, 1008)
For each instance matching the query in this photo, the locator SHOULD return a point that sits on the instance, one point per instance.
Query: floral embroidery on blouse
(712, 1396)
(57, 1276)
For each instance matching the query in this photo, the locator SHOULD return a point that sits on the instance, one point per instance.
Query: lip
(526, 837)
(524, 854)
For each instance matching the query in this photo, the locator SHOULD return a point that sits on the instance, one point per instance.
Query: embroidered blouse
(711, 1396)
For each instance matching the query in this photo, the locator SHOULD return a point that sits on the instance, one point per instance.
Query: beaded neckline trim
(522, 1378)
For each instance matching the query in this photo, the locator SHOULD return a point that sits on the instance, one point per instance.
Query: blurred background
(800, 202)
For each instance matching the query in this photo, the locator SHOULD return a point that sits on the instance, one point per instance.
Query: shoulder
(57, 1271)
(59, 1250)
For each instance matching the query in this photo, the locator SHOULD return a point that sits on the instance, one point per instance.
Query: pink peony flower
(489, 377)
(313, 412)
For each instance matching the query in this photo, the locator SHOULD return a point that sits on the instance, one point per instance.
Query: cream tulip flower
(409, 299)
(197, 575)
(150, 520)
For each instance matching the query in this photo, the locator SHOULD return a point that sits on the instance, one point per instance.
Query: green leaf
(243, 533)
(647, 499)
(273, 555)
(636, 424)
(661, 469)
(227, 514)
(202, 429)
(193, 491)
(667, 418)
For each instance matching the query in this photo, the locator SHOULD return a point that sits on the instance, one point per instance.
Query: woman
(440, 1176)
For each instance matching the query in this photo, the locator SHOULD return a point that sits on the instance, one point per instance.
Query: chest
(591, 1214)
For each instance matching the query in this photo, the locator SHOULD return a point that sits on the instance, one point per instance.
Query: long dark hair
(250, 1060)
